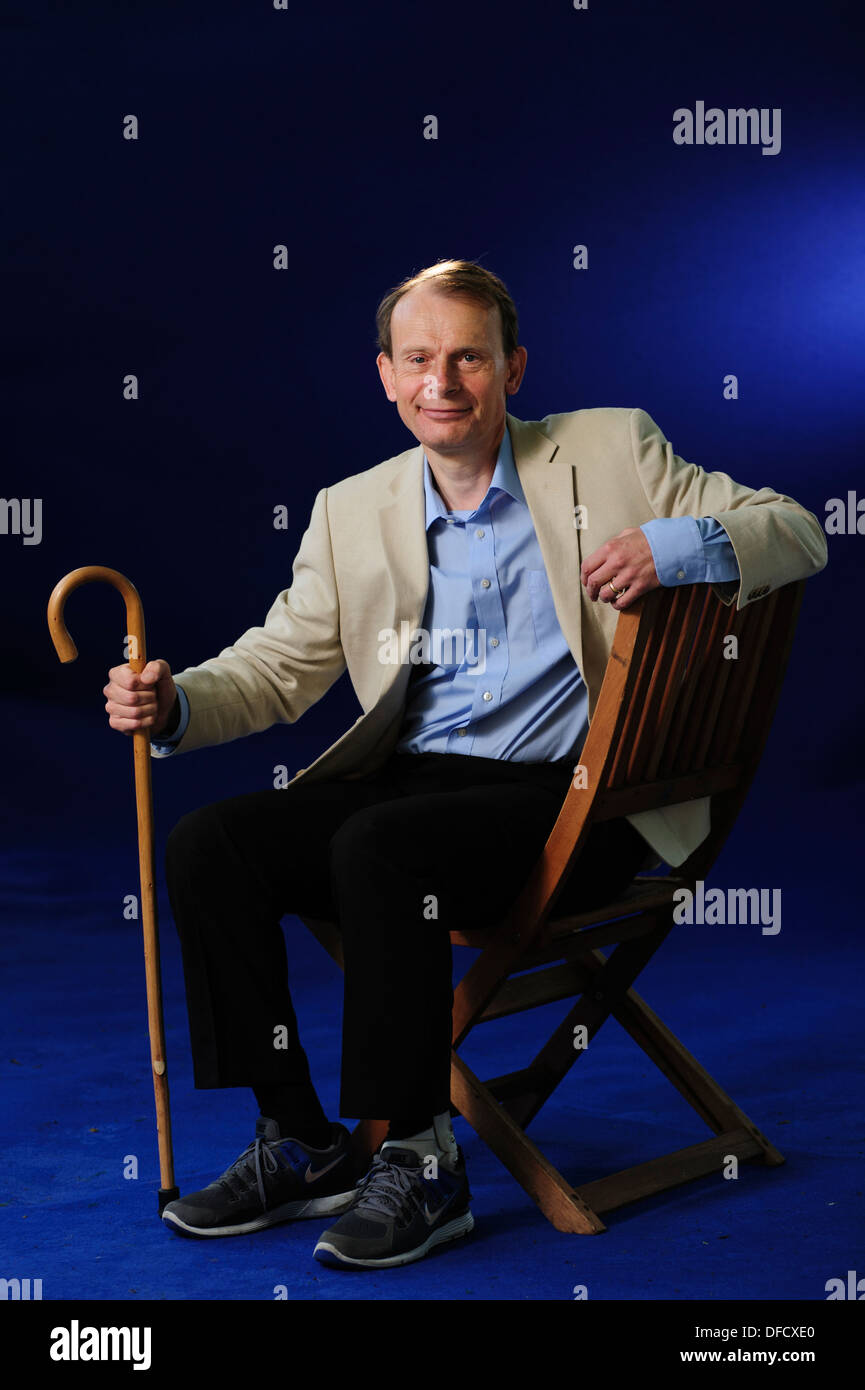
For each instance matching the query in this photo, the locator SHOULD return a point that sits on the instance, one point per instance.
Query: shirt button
(485, 583)
(494, 641)
(680, 574)
(488, 694)
(479, 533)
(462, 732)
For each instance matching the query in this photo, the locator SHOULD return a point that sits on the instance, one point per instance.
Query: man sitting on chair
(471, 587)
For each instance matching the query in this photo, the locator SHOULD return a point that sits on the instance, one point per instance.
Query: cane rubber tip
(166, 1195)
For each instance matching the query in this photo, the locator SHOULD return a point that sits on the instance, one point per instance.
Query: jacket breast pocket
(546, 624)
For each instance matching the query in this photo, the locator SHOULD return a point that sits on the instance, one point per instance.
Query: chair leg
(700, 1090)
(499, 1117)
(602, 989)
(670, 1170)
(536, 1175)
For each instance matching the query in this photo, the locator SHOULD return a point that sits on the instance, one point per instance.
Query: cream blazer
(363, 566)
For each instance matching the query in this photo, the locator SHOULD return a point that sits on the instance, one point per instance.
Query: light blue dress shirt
(495, 677)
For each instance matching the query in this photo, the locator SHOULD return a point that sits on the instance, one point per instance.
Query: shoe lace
(388, 1188)
(257, 1160)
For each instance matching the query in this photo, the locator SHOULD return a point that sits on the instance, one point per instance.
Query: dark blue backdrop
(154, 257)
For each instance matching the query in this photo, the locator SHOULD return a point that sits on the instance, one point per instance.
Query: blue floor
(777, 1020)
(78, 1102)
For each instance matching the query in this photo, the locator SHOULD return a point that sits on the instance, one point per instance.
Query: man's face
(448, 373)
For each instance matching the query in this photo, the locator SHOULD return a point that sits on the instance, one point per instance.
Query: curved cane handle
(65, 647)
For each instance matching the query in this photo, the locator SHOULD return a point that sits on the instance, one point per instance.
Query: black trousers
(430, 844)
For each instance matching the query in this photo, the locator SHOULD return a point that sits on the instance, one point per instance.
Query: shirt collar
(504, 479)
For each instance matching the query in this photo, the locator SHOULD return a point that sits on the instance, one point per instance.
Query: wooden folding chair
(678, 718)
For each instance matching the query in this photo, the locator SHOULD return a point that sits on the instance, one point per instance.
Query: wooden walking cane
(67, 651)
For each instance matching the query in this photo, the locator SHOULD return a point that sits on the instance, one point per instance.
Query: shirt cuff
(690, 550)
(164, 747)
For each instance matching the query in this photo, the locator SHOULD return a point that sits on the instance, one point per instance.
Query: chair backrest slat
(705, 666)
(642, 662)
(753, 646)
(718, 746)
(717, 677)
(673, 689)
(669, 755)
(651, 683)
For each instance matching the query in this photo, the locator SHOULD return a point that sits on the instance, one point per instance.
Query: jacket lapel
(549, 481)
(403, 539)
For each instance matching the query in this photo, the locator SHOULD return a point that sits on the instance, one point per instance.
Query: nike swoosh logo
(431, 1216)
(310, 1176)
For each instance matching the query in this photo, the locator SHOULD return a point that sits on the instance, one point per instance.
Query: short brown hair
(458, 278)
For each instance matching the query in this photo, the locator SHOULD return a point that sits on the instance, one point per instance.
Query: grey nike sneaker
(275, 1179)
(403, 1208)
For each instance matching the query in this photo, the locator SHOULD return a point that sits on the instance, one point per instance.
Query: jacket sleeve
(274, 673)
(774, 539)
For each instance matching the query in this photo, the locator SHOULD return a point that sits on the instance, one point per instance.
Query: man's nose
(445, 376)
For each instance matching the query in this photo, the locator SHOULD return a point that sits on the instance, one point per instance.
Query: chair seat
(643, 895)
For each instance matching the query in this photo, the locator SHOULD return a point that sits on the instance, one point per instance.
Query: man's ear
(386, 372)
(516, 368)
